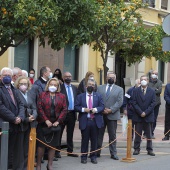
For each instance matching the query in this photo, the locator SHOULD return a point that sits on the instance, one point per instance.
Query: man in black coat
(70, 92)
(12, 111)
(143, 103)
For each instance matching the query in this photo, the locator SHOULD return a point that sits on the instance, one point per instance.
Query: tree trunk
(106, 69)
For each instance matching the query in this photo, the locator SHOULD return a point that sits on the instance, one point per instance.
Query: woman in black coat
(28, 97)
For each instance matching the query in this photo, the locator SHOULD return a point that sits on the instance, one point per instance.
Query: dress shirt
(24, 95)
(72, 96)
(107, 86)
(144, 90)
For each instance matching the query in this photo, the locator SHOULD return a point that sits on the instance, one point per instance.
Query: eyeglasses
(25, 84)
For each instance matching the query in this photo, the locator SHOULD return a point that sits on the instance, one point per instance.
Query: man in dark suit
(113, 99)
(70, 92)
(143, 103)
(12, 111)
(90, 107)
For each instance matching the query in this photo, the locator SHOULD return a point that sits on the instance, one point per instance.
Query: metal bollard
(4, 146)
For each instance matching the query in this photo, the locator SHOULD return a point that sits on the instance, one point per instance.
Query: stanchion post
(4, 146)
(129, 144)
(31, 150)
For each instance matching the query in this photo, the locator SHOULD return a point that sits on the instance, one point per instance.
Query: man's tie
(11, 94)
(90, 105)
(70, 107)
(143, 91)
(108, 90)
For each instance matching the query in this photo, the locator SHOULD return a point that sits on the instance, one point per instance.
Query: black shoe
(115, 157)
(72, 155)
(151, 153)
(42, 161)
(83, 161)
(165, 138)
(153, 137)
(55, 159)
(58, 155)
(136, 152)
(94, 161)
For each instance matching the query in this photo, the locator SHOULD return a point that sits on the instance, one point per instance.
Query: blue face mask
(6, 80)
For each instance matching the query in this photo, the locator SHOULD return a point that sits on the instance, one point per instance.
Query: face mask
(110, 81)
(51, 75)
(67, 80)
(6, 80)
(154, 76)
(143, 83)
(90, 89)
(52, 89)
(23, 88)
(91, 78)
(31, 75)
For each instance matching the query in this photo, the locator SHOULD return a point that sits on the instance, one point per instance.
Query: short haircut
(25, 72)
(16, 84)
(53, 79)
(144, 76)
(6, 69)
(43, 70)
(91, 80)
(16, 70)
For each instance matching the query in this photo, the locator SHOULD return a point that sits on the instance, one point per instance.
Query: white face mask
(31, 75)
(154, 76)
(51, 75)
(52, 89)
(144, 83)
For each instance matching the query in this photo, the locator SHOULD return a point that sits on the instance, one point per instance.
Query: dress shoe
(136, 152)
(151, 153)
(83, 161)
(55, 159)
(42, 161)
(165, 138)
(153, 137)
(94, 161)
(72, 155)
(58, 155)
(115, 157)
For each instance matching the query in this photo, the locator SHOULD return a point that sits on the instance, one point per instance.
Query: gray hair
(91, 80)
(24, 73)
(6, 69)
(137, 81)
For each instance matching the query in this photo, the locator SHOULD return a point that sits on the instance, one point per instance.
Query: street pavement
(143, 161)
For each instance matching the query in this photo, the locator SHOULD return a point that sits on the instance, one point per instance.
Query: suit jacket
(30, 108)
(143, 103)
(44, 107)
(8, 110)
(97, 103)
(63, 91)
(41, 84)
(113, 101)
(167, 94)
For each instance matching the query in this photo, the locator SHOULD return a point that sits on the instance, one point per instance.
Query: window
(161, 70)
(150, 2)
(71, 61)
(164, 4)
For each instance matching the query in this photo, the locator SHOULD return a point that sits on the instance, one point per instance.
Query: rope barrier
(148, 138)
(94, 150)
(79, 152)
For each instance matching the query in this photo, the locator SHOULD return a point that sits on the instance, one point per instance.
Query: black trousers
(156, 111)
(167, 120)
(148, 130)
(69, 123)
(15, 150)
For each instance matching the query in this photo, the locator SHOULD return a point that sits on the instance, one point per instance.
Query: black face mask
(90, 89)
(56, 75)
(67, 80)
(110, 81)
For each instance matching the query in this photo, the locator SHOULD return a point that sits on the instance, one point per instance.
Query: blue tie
(108, 90)
(70, 107)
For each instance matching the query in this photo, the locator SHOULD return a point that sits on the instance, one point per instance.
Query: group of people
(52, 102)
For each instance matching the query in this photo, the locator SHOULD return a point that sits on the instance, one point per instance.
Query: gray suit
(113, 101)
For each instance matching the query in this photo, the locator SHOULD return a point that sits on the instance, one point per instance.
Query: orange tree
(22, 19)
(112, 25)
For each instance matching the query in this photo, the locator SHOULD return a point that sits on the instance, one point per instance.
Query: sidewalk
(121, 140)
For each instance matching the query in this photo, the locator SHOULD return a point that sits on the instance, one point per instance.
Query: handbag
(47, 131)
